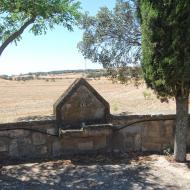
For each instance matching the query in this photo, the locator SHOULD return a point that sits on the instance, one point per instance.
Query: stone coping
(144, 117)
(36, 123)
(27, 124)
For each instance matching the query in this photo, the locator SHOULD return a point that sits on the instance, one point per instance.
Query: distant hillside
(115, 73)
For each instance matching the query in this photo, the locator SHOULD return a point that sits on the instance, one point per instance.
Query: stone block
(129, 143)
(137, 142)
(71, 143)
(25, 147)
(157, 140)
(38, 139)
(41, 150)
(44, 150)
(117, 140)
(133, 129)
(169, 123)
(169, 131)
(52, 131)
(56, 148)
(4, 133)
(97, 131)
(154, 129)
(85, 145)
(144, 131)
(13, 148)
(3, 146)
(24, 141)
(18, 133)
(151, 147)
(100, 142)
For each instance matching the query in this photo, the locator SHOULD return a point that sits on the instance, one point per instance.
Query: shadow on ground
(103, 174)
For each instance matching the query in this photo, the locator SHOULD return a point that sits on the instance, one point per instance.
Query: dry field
(22, 100)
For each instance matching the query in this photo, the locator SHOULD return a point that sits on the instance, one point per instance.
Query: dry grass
(19, 99)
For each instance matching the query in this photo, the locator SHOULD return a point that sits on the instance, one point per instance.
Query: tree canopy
(166, 58)
(17, 15)
(165, 45)
(112, 37)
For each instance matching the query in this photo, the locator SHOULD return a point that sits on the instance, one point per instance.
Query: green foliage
(147, 95)
(125, 74)
(165, 46)
(17, 15)
(115, 107)
(168, 150)
(112, 38)
(96, 74)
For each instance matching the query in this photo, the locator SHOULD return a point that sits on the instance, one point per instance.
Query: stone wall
(40, 139)
(144, 132)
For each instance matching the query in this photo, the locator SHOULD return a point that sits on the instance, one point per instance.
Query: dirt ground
(34, 99)
(99, 173)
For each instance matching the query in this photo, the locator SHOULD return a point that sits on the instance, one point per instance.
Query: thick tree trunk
(181, 128)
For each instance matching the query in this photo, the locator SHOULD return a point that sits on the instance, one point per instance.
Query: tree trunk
(181, 128)
(14, 35)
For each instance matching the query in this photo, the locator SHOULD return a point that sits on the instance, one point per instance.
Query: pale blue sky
(54, 51)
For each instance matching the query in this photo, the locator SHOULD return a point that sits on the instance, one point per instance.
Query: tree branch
(13, 36)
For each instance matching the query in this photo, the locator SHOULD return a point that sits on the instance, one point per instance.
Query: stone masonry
(79, 104)
(35, 140)
(83, 125)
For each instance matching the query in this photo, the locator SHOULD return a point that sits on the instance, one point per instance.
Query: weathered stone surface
(137, 142)
(100, 142)
(80, 103)
(154, 129)
(24, 141)
(98, 130)
(3, 145)
(13, 148)
(147, 136)
(25, 147)
(117, 140)
(41, 150)
(129, 144)
(151, 147)
(133, 129)
(38, 139)
(4, 133)
(56, 148)
(52, 131)
(169, 131)
(18, 133)
(85, 145)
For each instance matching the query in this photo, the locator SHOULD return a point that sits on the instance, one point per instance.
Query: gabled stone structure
(80, 104)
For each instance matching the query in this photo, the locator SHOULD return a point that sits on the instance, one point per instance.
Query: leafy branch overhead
(17, 15)
(112, 37)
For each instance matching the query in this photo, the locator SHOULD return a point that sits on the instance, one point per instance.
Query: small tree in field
(165, 26)
(17, 15)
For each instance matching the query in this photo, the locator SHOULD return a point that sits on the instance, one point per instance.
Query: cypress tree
(165, 26)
